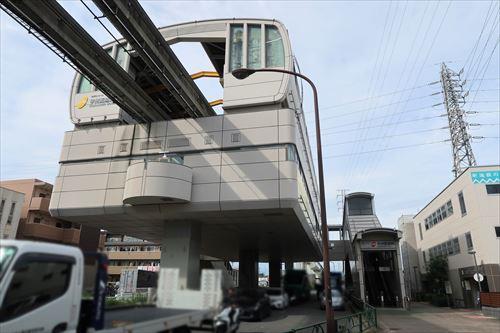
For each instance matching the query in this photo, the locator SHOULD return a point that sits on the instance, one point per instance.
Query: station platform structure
(370, 252)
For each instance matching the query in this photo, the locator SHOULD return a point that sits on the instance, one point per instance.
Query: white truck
(41, 288)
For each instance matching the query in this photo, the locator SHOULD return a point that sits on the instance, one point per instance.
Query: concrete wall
(409, 253)
(10, 222)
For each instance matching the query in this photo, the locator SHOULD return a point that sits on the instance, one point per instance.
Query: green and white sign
(485, 177)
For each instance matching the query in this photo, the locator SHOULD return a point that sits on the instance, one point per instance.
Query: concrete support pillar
(248, 269)
(288, 265)
(275, 273)
(180, 248)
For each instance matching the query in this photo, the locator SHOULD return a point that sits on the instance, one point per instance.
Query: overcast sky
(352, 50)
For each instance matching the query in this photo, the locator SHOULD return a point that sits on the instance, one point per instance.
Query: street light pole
(477, 274)
(243, 73)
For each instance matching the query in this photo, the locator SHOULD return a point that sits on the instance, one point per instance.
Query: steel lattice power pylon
(454, 98)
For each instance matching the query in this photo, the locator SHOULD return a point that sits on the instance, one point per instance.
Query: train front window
(275, 53)
(120, 56)
(254, 47)
(85, 86)
(236, 47)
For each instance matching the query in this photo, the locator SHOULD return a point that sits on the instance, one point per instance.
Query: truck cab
(40, 287)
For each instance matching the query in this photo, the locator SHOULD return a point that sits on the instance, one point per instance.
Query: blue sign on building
(486, 177)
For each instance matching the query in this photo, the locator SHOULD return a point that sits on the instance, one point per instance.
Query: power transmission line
(381, 137)
(386, 149)
(382, 125)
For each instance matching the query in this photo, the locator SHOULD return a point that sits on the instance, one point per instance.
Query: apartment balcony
(40, 204)
(133, 255)
(50, 233)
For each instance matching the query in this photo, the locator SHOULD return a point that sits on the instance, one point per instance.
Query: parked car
(337, 300)
(278, 298)
(254, 304)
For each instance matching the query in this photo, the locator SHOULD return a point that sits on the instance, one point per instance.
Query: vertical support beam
(275, 273)
(249, 268)
(180, 248)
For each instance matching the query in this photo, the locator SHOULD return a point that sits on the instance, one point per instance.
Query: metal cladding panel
(250, 155)
(250, 137)
(249, 191)
(287, 134)
(202, 159)
(249, 172)
(250, 120)
(206, 174)
(288, 170)
(94, 135)
(156, 129)
(289, 190)
(194, 126)
(84, 183)
(86, 168)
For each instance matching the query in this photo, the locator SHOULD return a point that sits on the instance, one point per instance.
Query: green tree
(437, 274)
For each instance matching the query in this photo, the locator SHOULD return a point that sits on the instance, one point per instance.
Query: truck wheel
(182, 329)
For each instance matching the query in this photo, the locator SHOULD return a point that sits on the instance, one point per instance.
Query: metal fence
(364, 318)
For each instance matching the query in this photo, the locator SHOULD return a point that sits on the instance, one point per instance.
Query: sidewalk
(425, 318)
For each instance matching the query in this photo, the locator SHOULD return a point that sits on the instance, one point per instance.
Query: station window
(85, 86)
(497, 231)
(236, 47)
(275, 53)
(120, 56)
(254, 46)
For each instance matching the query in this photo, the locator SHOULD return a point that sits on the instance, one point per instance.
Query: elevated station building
(238, 186)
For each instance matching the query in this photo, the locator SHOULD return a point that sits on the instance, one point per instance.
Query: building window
(11, 213)
(461, 200)
(468, 239)
(493, 189)
(254, 46)
(275, 54)
(235, 137)
(497, 231)
(37, 220)
(420, 230)
(425, 257)
(236, 47)
(2, 204)
(291, 153)
(439, 215)
(42, 195)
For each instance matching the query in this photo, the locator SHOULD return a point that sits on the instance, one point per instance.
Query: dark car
(254, 304)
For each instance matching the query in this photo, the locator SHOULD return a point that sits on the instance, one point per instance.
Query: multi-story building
(126, 252)
(409, 255)
(35, 222)
(463, 220)
(11, 203)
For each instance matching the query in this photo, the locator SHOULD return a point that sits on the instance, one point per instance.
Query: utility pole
(454, 98)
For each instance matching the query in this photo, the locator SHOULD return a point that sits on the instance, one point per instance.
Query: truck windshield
(6, 255)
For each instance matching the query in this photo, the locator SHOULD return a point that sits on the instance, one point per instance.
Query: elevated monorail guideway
(52, 25)
(130, 19)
